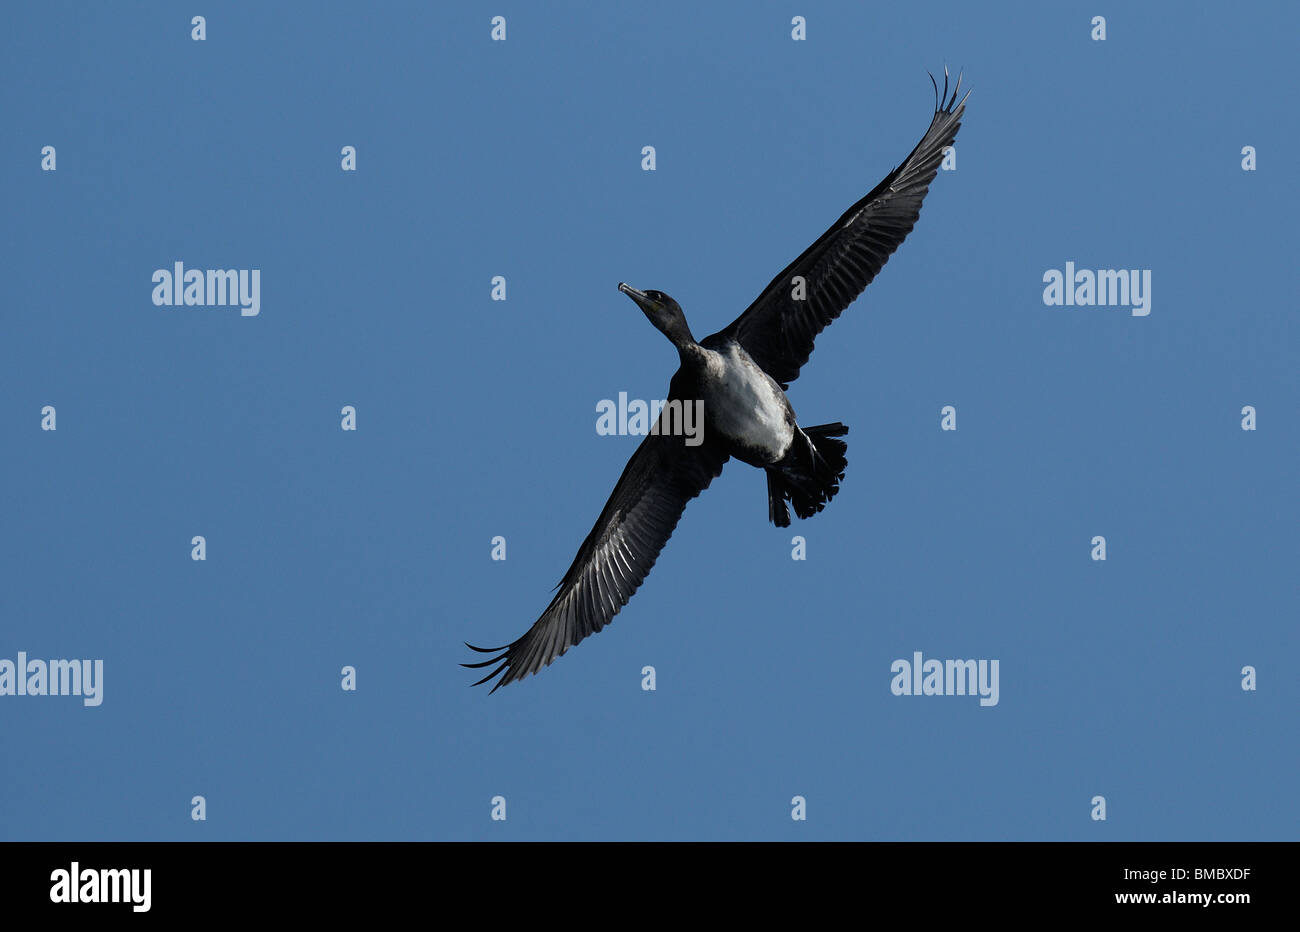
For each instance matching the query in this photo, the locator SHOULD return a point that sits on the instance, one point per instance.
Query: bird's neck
(679, 332)
(693, 355)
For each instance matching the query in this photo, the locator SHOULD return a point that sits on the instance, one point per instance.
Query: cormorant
(741, 374)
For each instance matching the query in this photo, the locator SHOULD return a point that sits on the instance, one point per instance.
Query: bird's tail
(809, 475)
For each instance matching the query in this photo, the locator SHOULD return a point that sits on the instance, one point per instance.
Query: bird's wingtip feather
(486, 650)
(504, 663)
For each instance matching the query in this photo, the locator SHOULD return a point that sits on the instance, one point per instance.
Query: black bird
(741, 374)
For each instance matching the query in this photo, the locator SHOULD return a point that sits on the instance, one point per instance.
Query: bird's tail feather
(809, 475)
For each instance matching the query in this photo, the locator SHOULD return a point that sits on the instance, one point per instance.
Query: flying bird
(741, 374)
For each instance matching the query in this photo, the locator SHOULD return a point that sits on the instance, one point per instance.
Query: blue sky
(476, 418)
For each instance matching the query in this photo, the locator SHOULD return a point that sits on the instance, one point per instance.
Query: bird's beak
(640, 297)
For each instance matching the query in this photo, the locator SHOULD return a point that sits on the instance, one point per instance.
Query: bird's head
(665, 313)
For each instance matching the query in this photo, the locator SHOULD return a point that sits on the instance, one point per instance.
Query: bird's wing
(662, 476)
(778, 329)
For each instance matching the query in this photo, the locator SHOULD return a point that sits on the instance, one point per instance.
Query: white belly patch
(746, 406)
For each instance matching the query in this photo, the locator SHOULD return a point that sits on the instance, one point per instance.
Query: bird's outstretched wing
(779, 328)
(662, 476)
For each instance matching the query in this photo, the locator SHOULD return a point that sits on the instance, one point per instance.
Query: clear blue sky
(477, 418)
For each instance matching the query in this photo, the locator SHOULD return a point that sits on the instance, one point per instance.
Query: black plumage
(741, 374)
